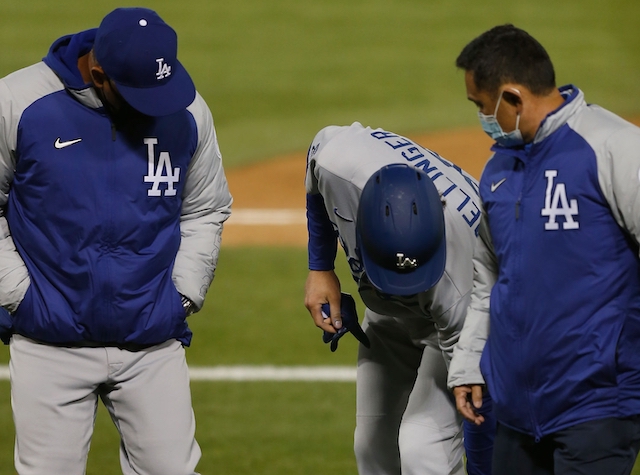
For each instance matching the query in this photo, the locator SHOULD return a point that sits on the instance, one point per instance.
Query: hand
(323, 287)
(350, 323)
(468, 400)
(6, 326)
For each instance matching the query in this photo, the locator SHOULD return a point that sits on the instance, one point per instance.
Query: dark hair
(508, 54)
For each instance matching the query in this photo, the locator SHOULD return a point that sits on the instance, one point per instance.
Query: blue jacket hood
(63, 57)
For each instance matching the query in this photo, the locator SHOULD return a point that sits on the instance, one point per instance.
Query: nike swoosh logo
(494, 186)
(335, 210)
(57, 144)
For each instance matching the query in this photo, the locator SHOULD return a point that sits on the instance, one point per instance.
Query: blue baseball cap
(138, 52)
(400, 230)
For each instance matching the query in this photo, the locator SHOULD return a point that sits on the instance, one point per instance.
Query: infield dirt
(278, 184)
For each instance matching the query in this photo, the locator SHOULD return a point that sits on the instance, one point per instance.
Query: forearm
(323, 239)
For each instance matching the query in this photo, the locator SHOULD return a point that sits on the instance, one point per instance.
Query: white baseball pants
(406, 420)
(54, 395)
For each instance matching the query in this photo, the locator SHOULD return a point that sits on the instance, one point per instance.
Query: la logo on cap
(164, 70)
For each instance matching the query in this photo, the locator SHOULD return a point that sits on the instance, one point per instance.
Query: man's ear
(512, 96)
(98, 76)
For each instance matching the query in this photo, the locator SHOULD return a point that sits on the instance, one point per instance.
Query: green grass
(254, 315)
(275, 72)
(243, 428)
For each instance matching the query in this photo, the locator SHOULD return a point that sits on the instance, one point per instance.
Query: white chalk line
(267, 217)
(259, 373)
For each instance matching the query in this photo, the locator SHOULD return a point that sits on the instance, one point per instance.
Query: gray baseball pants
(55, 392)
(407, 422)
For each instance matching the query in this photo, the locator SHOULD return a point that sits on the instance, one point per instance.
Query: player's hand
(6, 326)
(468, 400)
(323, 287)
(349, 315)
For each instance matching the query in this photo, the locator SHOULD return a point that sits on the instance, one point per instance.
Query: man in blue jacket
(113, 198)
(553, 327)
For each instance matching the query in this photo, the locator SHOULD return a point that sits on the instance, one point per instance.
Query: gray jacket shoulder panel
(616, 144)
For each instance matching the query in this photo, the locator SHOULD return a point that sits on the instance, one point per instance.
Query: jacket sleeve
(449, 326)
(619, 176)
(465, 365)
(322, 246)
(206, 205)
(14, 278)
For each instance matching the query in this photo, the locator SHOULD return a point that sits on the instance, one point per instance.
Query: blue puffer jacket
(563, 274)
(96, 212)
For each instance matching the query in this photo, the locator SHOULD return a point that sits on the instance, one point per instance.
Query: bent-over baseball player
(407, 220)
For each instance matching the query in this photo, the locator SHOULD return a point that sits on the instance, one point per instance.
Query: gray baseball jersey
(341, 160)
(406, 419)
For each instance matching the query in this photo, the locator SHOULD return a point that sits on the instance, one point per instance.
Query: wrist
(188, 305)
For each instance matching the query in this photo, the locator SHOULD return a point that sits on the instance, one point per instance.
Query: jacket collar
(63, 60)
(574, 101)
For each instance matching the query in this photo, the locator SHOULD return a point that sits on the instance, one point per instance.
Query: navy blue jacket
(563, 273)
(95, 212)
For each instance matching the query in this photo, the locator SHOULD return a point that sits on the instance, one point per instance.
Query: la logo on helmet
(405, 262)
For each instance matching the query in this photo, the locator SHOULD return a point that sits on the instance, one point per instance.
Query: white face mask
(491, 126)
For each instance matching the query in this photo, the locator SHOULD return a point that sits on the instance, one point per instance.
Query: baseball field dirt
(269, 197)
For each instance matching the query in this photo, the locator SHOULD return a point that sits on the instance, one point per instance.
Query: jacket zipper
(521, 228)
(108, 284)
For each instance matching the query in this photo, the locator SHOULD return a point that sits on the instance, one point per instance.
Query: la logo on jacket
(162, 173)
(556, 204)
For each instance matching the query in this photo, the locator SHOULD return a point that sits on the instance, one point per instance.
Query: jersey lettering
(163, 173)
(470, 181)
(383, 134)
(472, 212)
(401, 142)
(556, 204)
(412, 153)
(431, 163)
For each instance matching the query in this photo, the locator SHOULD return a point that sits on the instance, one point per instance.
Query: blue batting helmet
(400, 230)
